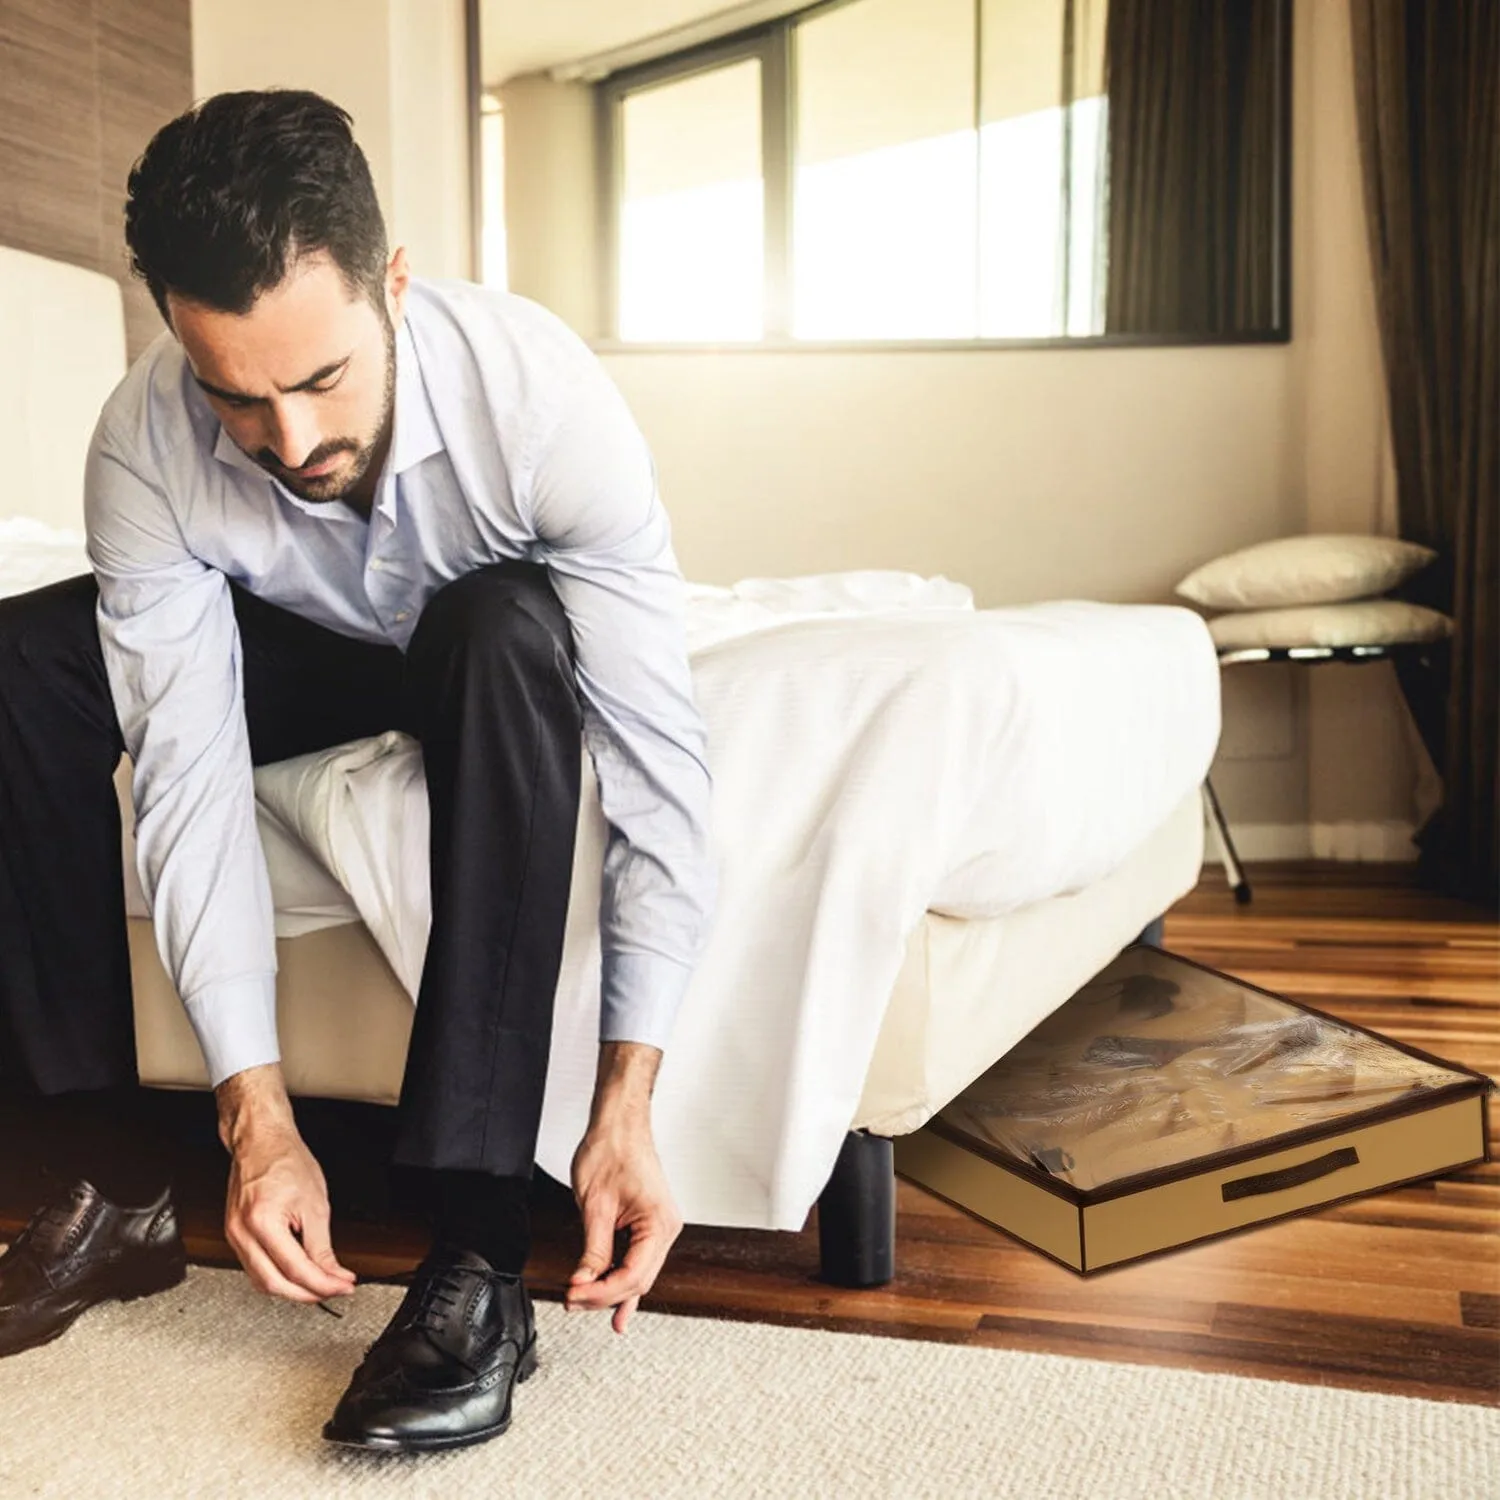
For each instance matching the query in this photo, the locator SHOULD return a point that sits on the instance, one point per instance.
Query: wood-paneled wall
(83, 86)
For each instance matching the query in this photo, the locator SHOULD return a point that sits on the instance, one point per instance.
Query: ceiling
(525, 36)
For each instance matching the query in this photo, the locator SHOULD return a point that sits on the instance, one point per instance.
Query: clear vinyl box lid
(1157, 1062)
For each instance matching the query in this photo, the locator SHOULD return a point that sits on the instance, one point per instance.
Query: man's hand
(619, 1184)
(276, 1216)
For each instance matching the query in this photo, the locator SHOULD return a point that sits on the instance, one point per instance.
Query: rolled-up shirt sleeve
(172, 652)
(606, 539)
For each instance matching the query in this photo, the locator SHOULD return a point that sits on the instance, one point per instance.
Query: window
(865, 169)
(1041, 168)
(884, 201)
(692, 209)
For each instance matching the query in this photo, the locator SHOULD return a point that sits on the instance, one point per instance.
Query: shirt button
(402, 614)
(376, 565)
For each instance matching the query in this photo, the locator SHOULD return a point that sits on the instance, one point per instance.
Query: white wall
(551, 203)
(429, 132)
(397, 66)
(1101, 473)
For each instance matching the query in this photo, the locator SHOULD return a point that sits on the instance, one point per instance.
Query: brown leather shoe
(81, 1249)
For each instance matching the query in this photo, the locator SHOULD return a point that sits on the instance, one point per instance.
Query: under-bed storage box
(1166, 1103)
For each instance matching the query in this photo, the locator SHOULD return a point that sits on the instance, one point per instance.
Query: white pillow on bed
(1304, 570)
(1368, 622)
(34, 554)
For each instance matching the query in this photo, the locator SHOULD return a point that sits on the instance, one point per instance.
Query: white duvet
(879, 749)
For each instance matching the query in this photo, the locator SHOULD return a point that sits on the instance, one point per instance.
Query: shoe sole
(147, 1286)
(524, 1371)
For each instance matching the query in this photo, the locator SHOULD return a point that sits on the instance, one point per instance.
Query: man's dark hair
(229, 196)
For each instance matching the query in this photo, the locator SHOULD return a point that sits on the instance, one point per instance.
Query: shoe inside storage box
(1166, 1103)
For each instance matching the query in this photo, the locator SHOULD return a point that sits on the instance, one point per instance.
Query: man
(332, 501)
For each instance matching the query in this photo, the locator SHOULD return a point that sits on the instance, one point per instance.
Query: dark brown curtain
(1427, 80)
(1193, 129)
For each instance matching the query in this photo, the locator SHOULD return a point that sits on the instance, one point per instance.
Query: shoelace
(47, 1226)
(433, 1299)
(438, 1296)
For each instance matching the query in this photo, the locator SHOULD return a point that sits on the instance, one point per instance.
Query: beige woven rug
(213, 1390)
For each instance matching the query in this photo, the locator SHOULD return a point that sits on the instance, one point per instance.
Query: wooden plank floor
(1398, 1292)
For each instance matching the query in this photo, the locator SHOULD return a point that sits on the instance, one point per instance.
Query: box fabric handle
(1306, 1171)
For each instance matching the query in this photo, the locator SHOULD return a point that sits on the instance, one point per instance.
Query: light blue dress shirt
(510, 441)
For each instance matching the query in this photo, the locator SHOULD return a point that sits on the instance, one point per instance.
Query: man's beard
(340, 485)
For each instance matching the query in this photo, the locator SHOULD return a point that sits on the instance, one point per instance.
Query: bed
(982, 807)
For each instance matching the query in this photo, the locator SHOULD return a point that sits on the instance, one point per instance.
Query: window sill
(940, 346)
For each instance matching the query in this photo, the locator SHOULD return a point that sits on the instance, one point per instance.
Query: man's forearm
(251, 1103)
(623, 1086)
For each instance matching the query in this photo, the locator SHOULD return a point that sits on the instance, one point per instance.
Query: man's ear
(397, 279)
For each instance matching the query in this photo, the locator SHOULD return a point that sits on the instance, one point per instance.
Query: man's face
(303, 382)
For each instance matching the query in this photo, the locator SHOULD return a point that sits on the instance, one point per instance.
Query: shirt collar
(227, 451)
(415, 437)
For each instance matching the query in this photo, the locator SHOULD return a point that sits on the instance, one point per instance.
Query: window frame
(773, 44)
(770, 45)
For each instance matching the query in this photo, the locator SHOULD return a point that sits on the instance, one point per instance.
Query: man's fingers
(623, 1312)
(598, 1241)
(605, 1283)
(633, 1277)
(263, 1273)
(611, 1290)
(318, 1244)
(275, 1237)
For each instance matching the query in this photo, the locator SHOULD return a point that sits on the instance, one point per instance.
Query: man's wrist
(623, 1085)
(252, 1104)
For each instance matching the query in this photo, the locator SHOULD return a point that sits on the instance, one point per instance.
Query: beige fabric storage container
(1166, 1103)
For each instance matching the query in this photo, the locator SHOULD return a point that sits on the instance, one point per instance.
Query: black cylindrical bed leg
(857, 1214)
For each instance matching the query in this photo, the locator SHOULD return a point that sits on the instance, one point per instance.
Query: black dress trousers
(486, 685)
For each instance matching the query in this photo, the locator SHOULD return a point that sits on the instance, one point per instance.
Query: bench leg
(1234, 871)
(857, 1214)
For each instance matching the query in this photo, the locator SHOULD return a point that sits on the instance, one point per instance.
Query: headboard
(62, 351)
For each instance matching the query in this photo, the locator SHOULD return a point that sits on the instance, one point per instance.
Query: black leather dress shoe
(442, 1373)
(78, 1250)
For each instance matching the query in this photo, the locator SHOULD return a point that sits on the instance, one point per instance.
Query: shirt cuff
(236, 1025)
(639, 997)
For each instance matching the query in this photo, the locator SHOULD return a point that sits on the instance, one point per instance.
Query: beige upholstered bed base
(966, 993)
